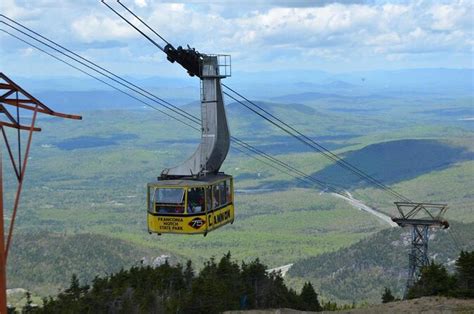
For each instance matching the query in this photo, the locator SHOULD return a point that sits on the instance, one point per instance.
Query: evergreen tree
(434, 280)
(329, 306)
(276, 294)
(75, 290)
(465, 275)
(253, 276)
(387, 296)
(309, 298)
(188, 274)
(217, 288)
(228, 273)
(28, 308)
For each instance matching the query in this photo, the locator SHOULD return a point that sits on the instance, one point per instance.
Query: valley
(86, 186)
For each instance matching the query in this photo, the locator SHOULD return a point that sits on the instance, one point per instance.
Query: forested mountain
(396, 161)
(83, 209)
(227, 286)
(44, 262)
(360, 271)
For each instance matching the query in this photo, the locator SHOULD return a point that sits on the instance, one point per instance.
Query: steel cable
(180, 111)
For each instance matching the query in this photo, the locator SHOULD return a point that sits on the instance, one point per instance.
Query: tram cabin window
(196, 199)
(228, 190)
(223, 196)
(215, 196)
(220, 194)
(169, 201)
(208, 198)
(151, 199)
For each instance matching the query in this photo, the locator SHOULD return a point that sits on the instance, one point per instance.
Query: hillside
(89, 177)
(395, 161)
(221, 285)
(44, 262)
(361, 271)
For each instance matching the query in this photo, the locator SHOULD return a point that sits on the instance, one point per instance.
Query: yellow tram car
(190, 206)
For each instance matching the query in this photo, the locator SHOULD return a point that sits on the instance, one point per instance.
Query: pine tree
(387, 296)
(165, 289)
(309, 298)
(74, 289)
(28, 308)
(188, 274)
(434, 280)
(329, 306)
(465, 275)
(253, 276)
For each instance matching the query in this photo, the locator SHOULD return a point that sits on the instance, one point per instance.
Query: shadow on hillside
(394, 161)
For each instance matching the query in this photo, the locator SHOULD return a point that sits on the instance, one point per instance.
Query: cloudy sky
(335, 36)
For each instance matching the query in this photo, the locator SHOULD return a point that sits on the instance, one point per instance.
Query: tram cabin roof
(191, 182)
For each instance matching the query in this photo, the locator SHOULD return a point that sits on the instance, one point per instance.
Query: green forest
(381, 260)
(83, 208)
(225, 285)
(220, 285)
(436, 280)
(99, 199)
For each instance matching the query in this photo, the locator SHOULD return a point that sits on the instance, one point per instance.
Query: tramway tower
(421, 217)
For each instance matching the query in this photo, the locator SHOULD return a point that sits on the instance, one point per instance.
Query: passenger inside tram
(195, 200)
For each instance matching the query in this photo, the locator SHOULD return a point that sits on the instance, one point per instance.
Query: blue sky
(334, 36)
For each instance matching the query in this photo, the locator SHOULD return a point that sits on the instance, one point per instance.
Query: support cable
(332, 187)
(173, 108)
(235, 140)
(269, 164)
(292, 131)
(143, 22)
(299, 135)
(455, 239)
(311, 143)
(98, 79)
(136, 28)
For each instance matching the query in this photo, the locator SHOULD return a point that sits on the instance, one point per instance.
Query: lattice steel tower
(421, 217)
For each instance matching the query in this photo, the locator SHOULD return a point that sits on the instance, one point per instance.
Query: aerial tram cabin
(185, 206)
(194, 197)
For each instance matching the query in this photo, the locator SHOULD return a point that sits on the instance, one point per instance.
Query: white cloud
(95, 27)
(339, 31)
(271, 31)
(12, 10)
(449, 17)
(362, 28)
(26, 52)
(141, 3)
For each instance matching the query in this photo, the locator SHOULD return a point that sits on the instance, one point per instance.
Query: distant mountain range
(86, 93)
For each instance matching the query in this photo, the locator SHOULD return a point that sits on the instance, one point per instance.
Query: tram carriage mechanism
(194, 197)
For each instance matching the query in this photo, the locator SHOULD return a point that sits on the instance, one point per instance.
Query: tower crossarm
(421, 211)
(421, 222)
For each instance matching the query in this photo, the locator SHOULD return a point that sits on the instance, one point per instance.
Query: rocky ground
(426, 305)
